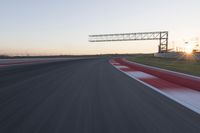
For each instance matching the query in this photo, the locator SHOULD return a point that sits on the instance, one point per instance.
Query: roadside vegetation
(191, 67)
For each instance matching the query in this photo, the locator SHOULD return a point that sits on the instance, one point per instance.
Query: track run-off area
(87, 95)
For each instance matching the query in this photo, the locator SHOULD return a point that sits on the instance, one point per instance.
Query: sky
(49, 27)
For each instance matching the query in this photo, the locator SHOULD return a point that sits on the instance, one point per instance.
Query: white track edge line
(165, 94)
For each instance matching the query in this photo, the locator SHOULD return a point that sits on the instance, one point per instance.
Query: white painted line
(188, 96)
(140, 75)
(115, 63)
(180, 98)
(175, 98)
(120, 67)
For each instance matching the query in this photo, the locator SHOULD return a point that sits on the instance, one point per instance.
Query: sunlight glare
(188, 49)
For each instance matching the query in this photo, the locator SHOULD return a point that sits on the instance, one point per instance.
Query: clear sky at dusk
(62, 26)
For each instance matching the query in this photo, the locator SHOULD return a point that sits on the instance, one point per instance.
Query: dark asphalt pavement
(85, 96)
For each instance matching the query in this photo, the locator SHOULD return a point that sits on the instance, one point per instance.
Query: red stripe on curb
(179, 79)
(160, 83)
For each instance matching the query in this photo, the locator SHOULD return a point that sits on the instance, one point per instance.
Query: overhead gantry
(162, 36)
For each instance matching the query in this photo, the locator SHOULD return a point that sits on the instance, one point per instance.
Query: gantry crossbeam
(162, 36)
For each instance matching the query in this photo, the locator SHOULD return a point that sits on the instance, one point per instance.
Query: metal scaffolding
(162, 36)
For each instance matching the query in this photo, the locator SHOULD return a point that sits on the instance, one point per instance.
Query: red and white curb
(188, 97)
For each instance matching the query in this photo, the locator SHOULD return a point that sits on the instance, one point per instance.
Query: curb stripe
(185, 96)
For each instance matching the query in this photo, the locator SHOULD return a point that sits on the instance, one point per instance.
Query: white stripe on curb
(140, 75)
(184, 96)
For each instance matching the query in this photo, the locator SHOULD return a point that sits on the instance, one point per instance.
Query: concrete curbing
(174, 77)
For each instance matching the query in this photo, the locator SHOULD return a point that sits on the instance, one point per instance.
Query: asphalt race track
(85, 96)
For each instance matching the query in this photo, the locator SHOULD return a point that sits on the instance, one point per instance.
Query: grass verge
(191, 67)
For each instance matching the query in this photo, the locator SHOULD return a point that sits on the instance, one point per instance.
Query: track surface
(85, 96)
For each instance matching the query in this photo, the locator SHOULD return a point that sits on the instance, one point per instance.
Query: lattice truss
(162, 36)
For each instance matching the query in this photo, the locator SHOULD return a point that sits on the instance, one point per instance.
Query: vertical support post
(160, 43)
(163, 42)
(167, 36)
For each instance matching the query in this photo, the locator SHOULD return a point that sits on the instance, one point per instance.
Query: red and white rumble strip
(190, 98)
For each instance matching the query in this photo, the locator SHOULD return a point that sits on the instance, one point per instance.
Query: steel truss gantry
(162, 36)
